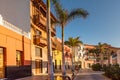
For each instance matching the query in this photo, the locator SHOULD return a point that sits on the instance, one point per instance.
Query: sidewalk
(42, 77)
(45, 76)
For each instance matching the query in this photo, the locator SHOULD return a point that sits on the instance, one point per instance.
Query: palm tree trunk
(72, 60)
(63, 56)
(50, 64)
(108, 59)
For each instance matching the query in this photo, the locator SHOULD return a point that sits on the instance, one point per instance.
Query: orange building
(39, 37)
(15, 58)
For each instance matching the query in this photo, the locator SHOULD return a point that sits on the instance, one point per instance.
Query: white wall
(17, 12)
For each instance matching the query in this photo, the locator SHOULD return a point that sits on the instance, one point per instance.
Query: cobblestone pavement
(90, 75)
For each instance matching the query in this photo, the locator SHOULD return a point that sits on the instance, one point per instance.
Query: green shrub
(96, 67)
(113, 72)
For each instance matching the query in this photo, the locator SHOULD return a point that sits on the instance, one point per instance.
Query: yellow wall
(57, 55)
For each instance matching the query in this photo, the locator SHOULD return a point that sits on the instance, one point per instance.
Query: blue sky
(102, 24)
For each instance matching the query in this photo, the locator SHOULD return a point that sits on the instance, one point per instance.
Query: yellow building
(57, 59)
(57, 56)
(39, 36)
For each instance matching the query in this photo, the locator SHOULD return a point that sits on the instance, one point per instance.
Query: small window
(18, 58)
(60, 65)
(55, 64)
(89, 65)
(38, 52)
(38, 32)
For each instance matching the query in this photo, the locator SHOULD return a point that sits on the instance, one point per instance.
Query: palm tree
(50, 64)
(95, 52)
(109, 51)
(103, 50)
(73, 42)
(63, 17)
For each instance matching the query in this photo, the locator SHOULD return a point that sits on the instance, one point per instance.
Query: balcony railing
(40, 21)
(39, 18)
(40, 40)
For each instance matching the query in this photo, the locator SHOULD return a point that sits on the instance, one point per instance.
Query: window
(38, 64)
(38, 32)
(60, 65)
(1, 57)
(1, 63)
(18, 58)
(38, 52)
(89, 65)
(55, 64)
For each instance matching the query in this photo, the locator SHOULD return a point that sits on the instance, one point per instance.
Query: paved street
(81, 75)
(90, 75)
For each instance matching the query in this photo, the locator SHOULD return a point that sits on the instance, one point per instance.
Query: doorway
(38, 65)
(1, 62)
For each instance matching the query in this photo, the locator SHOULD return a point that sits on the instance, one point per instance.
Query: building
(15, 54)
(115, 56)
(57, 56)
(82, 58)
(118, 56)
(90, 57)
(68, 57)
(39, 36)
(15, 44)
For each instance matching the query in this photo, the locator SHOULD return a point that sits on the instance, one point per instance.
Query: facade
(85, 61)
(39, 37)
(57, 56)
(15, 44)
(15, 54)
(118, 57)
(68, 57)
(115, 56)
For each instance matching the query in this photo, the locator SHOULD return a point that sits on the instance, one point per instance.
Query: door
(1, 63)
(38, 65)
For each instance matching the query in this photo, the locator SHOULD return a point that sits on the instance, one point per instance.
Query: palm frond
(73, 42)
(57, 7)
(77, 13)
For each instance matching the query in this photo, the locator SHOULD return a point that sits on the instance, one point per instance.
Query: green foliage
(72, 42)
(112, 72)
(96, 67)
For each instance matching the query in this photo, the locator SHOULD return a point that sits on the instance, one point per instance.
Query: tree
(50, 64)
(109, 51)
(73, 42)
(104, 49)
(95, 52)
(64, 17)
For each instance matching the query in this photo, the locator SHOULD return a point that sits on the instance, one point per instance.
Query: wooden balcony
(53, 31)
(40, 40)
(40, 21)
